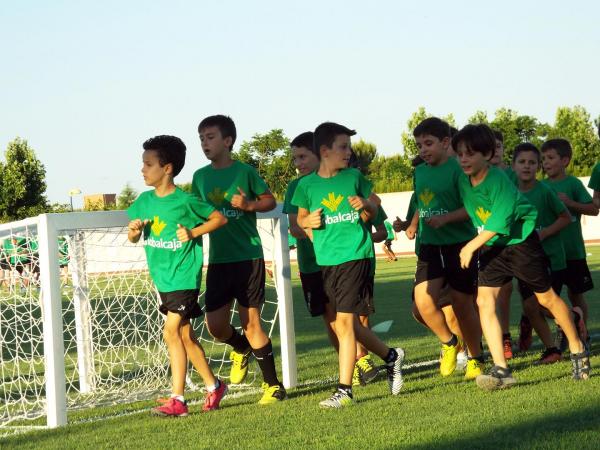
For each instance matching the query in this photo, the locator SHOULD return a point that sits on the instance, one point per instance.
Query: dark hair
(169, 149)
(525, 147)
(562, 147)
(453, 131)
(477, 138)
(498, 135)
(223, 123)
(326, 133)
(305, 139)
(434, 127)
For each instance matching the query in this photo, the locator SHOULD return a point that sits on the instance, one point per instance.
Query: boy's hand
(399, 225)
(411, 231)
(436, 221)
(564, 198)
(356, 202)
(240, 201)
(314, 219)
(466, 254)
(184, 234)
(136, 226)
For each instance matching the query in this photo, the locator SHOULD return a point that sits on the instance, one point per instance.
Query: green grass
(545, 410)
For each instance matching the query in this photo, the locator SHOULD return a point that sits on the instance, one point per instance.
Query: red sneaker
(525, 334)
(549, 356)
(172, 408)
(508, 354)
(212, 399)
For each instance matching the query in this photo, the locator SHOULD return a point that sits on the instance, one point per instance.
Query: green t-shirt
(594, 182)
(549, 207)
(572, 235)
(496, 205)
(390, 231)
(436, 189)
(512, 175)
(239, 239)
(374, 223)
(17, 251)
(342, 237)
(412, 207)
(307, 261)
(173, 265)
(63, 251)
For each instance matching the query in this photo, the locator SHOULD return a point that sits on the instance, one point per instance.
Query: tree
(270, 154)
(391, 174)
(126, 197)
(22, 183)
(516, 129)
(365, 153)
(478, 117)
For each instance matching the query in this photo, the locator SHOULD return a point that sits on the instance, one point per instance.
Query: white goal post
(63, 313)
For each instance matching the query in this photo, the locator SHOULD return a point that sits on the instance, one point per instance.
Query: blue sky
(87, 82)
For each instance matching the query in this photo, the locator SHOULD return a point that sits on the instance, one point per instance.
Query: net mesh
(112, 329)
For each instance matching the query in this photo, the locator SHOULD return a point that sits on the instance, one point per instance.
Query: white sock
(178, 397)
(213, 387)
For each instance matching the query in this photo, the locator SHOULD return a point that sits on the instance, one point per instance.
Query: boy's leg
(468, 320)
(490, 325)
(503, 303)
(329, 320)
(577, 299)
(345, 330)
(531, 307)
(195, 354)
(426, 293)
(177, 355)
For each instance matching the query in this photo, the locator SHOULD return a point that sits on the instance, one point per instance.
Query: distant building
(95, 202)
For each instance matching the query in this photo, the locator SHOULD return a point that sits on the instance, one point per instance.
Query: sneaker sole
(162, 414)
(489, 383)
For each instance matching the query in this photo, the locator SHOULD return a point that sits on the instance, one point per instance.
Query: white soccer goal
(92, 335)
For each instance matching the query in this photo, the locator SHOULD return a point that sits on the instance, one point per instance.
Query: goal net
(79, 319)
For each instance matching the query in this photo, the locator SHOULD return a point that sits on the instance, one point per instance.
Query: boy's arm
(563, 220)
(264, 202)
(596, 199)
(308, 219)
(215, 220)
(466, 253)
(588, 209)
(458, 215)
(380, 233)
(411, 231)
(136, 227)
(295, 229)
(368, 207)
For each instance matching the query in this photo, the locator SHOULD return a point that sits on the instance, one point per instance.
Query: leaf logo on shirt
(157, 226)
(426, 196)
(332, 202)
(483, 214)
(217, 196)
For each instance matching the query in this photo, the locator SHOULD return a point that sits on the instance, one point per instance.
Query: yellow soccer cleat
(474, 369)
(272, 394)
(239, 366)
(448, 358)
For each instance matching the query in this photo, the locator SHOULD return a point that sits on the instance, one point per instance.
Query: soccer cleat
(581, 365)
(560, 340)
(272, 394)
(448, 358)
(357, 376)
(507, 343)
(339, 399)
(212, 399)
(549, 356)
(474, 369)
(368, 371)
(171, 408)
(582, 331)
(525, 334)
(497, 378)
(394, 372)
(239, 366)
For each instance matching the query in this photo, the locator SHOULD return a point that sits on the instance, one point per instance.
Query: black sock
(391, 356)
(479, 358)
(266, 362)
(345, 388)
(575, 317)
(238, 341)
(505, 336)
(453, 341)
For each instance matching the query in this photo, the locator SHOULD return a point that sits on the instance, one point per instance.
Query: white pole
(284, 300)
(81, 306)
(54, 352)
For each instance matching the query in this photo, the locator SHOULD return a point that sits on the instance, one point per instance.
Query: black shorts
(5, 265)
(346, 285)
(183, 302)
(443, 261)
(314, 292)
(241, 280)
(525, 261)
(558, 281)
(368, 304)
(577, 276)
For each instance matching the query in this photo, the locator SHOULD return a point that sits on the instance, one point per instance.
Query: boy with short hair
(556, 156)
(172, 223)
(236, 266)
(507, 247)
(444, 228)
(552, 217)
(330, 202)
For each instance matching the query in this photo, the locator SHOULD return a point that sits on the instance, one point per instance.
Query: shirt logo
(426, 196)
(157, 226)
(332, 202)
(483, 214)
(217, 196)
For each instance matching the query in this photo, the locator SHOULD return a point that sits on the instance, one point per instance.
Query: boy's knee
(171, 335)
(219, 331)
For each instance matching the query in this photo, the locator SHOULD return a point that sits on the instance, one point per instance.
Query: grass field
(545, 410)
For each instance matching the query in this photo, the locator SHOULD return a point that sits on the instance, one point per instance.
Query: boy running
(508, 247)
(330, 202)
(172, 223)
(236, 267)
